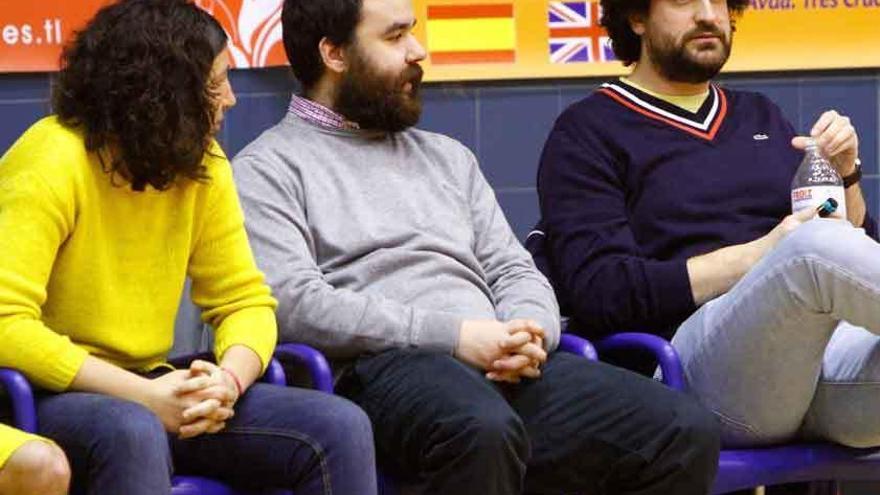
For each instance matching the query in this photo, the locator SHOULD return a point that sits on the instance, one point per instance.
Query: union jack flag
(575, 33)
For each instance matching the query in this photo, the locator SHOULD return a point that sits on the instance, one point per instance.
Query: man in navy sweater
(665, 208)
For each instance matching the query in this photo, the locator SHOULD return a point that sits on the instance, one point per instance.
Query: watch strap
(854, 177)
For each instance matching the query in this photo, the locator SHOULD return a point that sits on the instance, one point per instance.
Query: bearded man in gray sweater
(387, 250)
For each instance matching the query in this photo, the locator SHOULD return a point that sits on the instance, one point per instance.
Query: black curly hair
(305, 23)
(627, 44)
(135, 79)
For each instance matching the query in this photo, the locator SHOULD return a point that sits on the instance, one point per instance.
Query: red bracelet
(235, 379)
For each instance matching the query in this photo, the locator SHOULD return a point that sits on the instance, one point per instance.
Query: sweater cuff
(670, 285)
(552, 336)
(61, 375)
(438, 332)
(254, 328)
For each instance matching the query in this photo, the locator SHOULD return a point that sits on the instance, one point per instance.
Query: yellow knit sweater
(89, 266)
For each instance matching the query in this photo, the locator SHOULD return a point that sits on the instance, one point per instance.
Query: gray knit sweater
(373, 241)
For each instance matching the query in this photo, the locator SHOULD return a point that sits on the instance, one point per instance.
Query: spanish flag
(471, 33)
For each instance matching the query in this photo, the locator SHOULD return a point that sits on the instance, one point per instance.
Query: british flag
(575, 33)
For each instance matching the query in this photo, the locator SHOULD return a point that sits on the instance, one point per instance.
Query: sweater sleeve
(339, 322)
(226, 283)
(34, 221)
(519, 289)
(597, 264)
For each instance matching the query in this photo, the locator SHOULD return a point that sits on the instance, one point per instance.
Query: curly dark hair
(135, 79)
(627, 44)
(305, 23)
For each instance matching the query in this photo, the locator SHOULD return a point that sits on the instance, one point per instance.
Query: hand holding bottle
(836, 139)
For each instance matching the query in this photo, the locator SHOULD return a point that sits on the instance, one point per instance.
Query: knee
(699, 429)
(127, 427)
(56, 471)
(856, 441)
(346, 416)
(818, 238)
(39, 468)
(492, 431)
(857, 431)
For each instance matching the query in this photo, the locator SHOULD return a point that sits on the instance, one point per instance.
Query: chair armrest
(667, 358)
(23, 410)
(314, 362)
(274, 374)
(577, 345)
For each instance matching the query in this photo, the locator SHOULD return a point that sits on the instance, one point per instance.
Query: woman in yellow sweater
(105, 209)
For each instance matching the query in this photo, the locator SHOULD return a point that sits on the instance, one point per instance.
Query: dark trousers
(280, 437)
(584, 427)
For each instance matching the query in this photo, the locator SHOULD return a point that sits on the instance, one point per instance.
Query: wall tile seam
(839, 77)
(19, 101)
(515, 189)
(757, 77)
(559, 108)
(800, 104)
(567, 83)
(520, 89)
(478, 134)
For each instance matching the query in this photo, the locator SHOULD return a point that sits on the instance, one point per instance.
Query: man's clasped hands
(505, 351)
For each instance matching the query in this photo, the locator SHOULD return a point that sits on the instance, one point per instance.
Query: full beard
(677, 63)
(378, 102)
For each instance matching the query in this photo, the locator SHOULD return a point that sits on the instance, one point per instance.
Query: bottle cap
(827, 208)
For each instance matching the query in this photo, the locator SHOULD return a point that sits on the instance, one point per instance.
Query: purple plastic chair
(25, 417)
(821, 464)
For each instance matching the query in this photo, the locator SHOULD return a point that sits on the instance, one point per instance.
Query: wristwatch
(854, 177)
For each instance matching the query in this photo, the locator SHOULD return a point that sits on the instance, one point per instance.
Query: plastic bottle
(816, 181)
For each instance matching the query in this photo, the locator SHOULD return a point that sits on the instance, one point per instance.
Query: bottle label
(812, 197)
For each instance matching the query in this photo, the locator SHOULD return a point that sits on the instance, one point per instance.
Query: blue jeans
(792, 351)
(280, 437)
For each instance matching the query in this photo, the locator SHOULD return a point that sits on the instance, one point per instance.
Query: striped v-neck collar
(703, 124)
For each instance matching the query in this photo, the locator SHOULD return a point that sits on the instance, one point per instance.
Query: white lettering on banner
(48, 33)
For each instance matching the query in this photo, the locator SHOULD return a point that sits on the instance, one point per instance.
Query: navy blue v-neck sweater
(631, 186)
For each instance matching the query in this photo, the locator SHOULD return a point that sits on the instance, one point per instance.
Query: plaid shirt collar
(318, 114)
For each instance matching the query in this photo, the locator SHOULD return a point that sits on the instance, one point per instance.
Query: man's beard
(676, 63)
(376, 101)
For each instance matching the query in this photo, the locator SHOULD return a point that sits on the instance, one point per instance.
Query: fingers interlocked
(522, 353)
(212, 399)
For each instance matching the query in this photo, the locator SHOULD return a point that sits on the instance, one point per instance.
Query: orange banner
(532, 39)
(32, 32)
